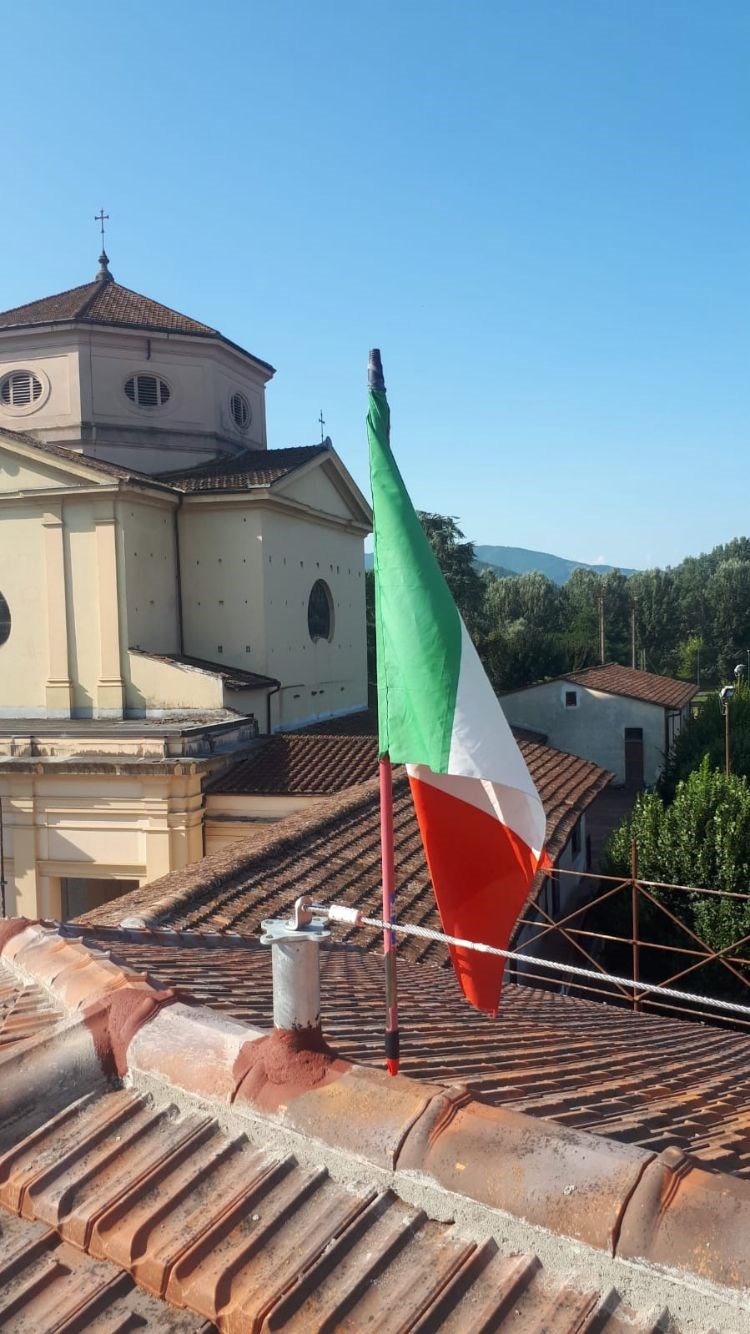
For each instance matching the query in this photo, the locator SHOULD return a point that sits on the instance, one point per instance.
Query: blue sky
(538, 210)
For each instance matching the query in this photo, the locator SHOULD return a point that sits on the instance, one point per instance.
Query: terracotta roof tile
(333, 852)
(108, 303)
(241, 472)
(121, 1210)
(103, 303)
(642, 1079)
(294, 762)
(229, 1234)
(647, 686)
(25, 1009)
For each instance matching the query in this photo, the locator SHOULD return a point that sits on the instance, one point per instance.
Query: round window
(4, 620)
(20, 390)
(320, 612)
(147, 391)
(240, 409)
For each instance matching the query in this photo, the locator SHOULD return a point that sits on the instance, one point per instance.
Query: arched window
(320, 611)
(4, 620)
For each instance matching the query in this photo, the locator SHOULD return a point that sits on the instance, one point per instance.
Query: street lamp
(725, 695)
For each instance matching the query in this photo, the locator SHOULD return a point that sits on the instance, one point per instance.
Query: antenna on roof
(104, 275)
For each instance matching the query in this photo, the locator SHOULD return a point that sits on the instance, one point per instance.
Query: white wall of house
(595, 727)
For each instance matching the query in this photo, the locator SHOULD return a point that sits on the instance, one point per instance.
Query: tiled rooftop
(242, 472)
(638, 1078)
(192, 1200)
(297, 762)
(25, 1009)
(647, 686)
(108, 303)
(333, 853)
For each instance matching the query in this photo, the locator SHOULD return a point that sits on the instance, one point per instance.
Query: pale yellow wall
(82, 589)
(315, 488)
(157, 686)
(94, 573)
(222, 584)
(16, 474)
(24, 656)
(319, 678)
(98, 825)
(150, 575)
(232, 818)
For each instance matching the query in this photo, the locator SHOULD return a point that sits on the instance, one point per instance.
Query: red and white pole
(389, 937)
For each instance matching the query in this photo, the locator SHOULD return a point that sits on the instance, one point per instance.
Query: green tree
(457, 561)
(702, 737)
(701, 839)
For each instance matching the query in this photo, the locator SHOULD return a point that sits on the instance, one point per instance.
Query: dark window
(240, 411)
(576, 838)
(633, 733)
(571, 699)
(4, 620)
(320, 611)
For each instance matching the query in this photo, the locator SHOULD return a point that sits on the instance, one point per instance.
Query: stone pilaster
(59, 692)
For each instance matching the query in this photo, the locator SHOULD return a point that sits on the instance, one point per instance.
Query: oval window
(240, 409)
(320, 612)
(20, 390)
(147, 391)
(4, 620)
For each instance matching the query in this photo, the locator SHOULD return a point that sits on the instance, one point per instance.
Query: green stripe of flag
(417, 625)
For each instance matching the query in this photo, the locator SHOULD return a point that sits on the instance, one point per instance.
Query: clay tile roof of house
(613, 679)
(234, 678)
(333, 853)
(294, 762)
(166, 1166)
(108, 303)
(243, 471)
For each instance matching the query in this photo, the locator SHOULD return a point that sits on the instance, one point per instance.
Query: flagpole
(389, 937)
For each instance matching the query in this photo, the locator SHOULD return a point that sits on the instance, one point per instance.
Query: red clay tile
(690, 1219)
(192, 1048)
(572, 1183)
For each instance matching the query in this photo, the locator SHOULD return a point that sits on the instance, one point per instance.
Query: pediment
(325, 485)
(28, 467)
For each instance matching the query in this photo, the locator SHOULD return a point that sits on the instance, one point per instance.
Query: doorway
(634, 776)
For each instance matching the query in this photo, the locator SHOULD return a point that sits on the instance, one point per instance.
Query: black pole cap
(375, 370)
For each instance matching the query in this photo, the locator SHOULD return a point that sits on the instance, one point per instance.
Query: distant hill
(519, 560)
(508, 561)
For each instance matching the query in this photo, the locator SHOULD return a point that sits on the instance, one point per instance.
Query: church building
(170, 587)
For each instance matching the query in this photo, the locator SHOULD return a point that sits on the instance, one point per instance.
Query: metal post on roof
(295, 965)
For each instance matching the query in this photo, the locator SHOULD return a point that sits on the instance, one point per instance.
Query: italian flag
(480, 816)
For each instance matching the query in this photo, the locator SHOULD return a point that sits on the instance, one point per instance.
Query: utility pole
(633, 607)
(601, 625)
